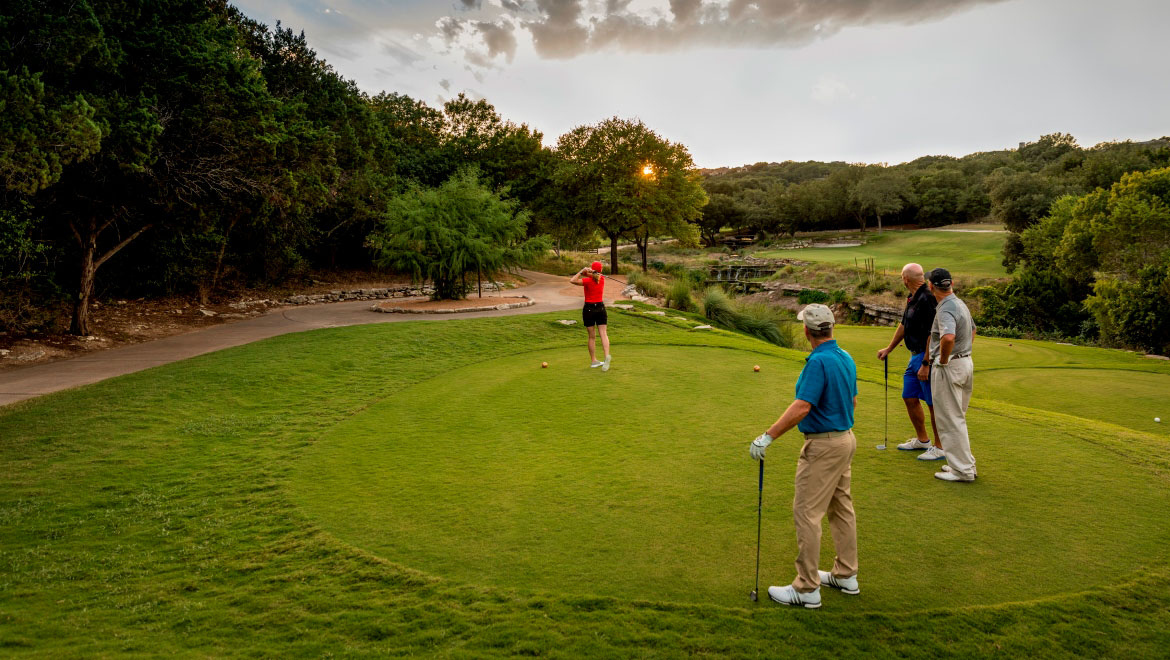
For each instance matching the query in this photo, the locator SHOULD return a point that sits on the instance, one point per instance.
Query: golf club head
(881, 446)
(753, 596)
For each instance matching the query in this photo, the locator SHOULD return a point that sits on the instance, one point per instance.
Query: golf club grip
(761, 475)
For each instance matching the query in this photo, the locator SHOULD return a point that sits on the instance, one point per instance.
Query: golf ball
(756, 368)
(544, 365)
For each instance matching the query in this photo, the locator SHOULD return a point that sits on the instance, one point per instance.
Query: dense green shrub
(996, 331)
(1035, 301)
(1134, 311)
(809, 296)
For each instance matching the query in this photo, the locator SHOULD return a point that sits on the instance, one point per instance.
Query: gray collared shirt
(952, 317)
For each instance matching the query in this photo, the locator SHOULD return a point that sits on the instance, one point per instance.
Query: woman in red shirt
(594, 311)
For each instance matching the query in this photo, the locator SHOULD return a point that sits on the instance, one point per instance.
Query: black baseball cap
(940, 277)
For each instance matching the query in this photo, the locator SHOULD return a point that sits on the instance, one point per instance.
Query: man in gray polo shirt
(951, 371)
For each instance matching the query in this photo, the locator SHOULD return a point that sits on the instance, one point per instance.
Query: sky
(743, 81)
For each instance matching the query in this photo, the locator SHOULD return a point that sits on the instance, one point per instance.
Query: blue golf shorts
(912, 388)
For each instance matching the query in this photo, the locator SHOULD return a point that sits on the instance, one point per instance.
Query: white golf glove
(759, 445)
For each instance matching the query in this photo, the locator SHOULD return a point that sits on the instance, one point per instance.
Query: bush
(839, 296)
(678, 296)
(717, 307)
(1133, 312)
(647, 285)
(759, 319)
(808, 296)
(996, 331)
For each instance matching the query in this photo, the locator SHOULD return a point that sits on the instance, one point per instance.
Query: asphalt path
(549, 292)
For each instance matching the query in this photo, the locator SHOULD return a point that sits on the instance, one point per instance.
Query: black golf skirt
(594, 314)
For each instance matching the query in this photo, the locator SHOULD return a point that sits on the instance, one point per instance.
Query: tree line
(1012, 186)
(178, 146)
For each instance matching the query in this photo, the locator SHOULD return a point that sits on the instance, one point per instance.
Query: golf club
(886, 397)
(754, 595)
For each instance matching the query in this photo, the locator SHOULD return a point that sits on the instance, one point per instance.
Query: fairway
(427, 489)
(970, 256)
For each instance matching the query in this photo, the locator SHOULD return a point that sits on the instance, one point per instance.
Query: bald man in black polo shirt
(915, 329)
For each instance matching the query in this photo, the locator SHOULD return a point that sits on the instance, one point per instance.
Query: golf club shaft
(759, 517)
(886, 397)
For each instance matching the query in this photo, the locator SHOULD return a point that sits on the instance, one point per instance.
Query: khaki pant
(950, 387)
(822, 486)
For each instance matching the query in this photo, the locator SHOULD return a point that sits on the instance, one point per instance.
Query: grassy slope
(152, 514)
(969, 256)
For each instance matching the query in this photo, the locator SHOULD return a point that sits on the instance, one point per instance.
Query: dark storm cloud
(565, 28)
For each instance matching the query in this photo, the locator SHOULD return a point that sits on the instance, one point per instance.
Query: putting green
(636, 484)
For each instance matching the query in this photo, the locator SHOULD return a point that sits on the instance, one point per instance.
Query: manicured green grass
(1111, 386)
(970, 256)
(634, 484)
(426, 489)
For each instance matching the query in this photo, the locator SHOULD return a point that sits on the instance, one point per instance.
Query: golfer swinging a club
(826, 396)
(593, 314)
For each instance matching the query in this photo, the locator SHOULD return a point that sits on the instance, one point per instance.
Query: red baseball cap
(596, 265)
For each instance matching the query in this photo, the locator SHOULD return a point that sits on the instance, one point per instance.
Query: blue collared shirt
(828, 382)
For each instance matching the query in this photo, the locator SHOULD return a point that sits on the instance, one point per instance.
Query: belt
(960, 356)
(826, 434)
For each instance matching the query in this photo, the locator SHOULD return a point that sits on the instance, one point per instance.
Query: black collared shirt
(917, 318)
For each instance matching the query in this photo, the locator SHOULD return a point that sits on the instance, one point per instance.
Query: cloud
(445, 84)
(562, 29)
(829, 90)
(404, 55)
(498, 37)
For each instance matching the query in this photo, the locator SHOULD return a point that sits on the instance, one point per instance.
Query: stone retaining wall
(372, 294)
(483, 308)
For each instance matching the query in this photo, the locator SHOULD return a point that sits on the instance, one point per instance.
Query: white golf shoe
(913, 445)
(932, 454)
(596, 364)
(948, 474)
(605, 365)
(947, 468)
(845, 585)
(786, 595)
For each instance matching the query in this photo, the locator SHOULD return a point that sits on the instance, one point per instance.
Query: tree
(1049, 148)
(721, 211)
(180, 105)
(447, 233)
(628, 182)
(39, 136)
(880, 191)
(1019, 199)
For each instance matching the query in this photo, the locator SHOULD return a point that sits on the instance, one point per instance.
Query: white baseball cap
(817, 317)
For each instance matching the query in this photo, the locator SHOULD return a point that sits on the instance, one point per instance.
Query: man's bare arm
(797, 410)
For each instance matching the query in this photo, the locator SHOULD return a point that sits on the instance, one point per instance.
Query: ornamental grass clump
(757, 319)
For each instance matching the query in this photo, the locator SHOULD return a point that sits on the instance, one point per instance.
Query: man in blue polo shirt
(826, 395)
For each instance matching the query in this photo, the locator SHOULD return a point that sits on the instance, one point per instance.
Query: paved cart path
(550, 292)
